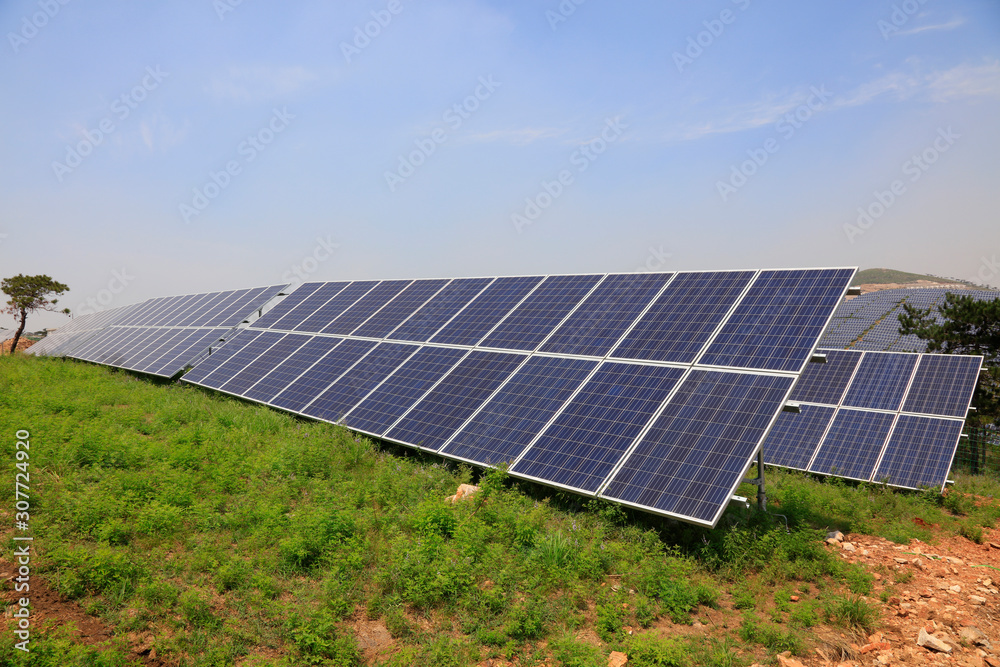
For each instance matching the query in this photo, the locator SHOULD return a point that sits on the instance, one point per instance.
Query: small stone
(835, 535)
(864, 552)
(974, 636)
(847, 546)
(930, 641)
(987, 582)
(617, 659)
(995, 545)
(901, 561)
(975, 599)
(832, 542)
(794, 598)
(991, 660)
(785, 661)
(955, 589)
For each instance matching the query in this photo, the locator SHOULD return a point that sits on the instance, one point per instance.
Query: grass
(877, 276)
(229, 532)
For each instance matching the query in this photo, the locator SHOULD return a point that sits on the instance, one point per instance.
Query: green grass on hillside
(881, 276)
(230, 532)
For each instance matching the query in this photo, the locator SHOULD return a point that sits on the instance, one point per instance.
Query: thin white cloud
(950, 25)
(256, 84)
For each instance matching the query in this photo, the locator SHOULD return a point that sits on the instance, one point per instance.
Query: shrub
(852, 612)
(647, 650)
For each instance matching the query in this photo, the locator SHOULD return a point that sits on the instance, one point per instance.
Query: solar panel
(943, 385)
(796, 436)
(446, 407)
(852, 446)
(535, 317)
(914, 456)
(594, 383)
(881, 381)
(604, 316)
(698, 450)
(508, 423)
(583, 444)
(210, 364)
(826, 382)
(787, 309)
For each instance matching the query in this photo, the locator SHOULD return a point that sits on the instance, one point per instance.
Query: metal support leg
(761, 493)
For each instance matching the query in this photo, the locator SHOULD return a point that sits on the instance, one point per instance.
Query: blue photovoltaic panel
(332, 309)
(919, 452)
(210, 364)
(943, 385)
(436, 312)
(285, 306)
(795, 437)
(239, 308)
(298, 306)
(184, 351)
(432, 421)
(604, 316)
(473, 322)
(93, 348)
(776, 325)
(251, 373)
(519, 411)
(693, 458)
(356, 383)
(853, 444)
(682, 319)
(189, 307)
(155, 311)
(134, 353)
(825, 383)
(402, 389)
(240, 359)
(591, 434)
(881, 381)
(354, 316)
(153, 353)
(314, 381)
(400, 308)
(533, 320)
(291, 368)
(119, 351)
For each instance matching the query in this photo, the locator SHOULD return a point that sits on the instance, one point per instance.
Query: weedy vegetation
(229, 533)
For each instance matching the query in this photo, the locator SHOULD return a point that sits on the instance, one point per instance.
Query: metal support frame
(759, 482)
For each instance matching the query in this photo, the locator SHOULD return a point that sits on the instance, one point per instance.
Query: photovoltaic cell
(683, 318)
(476, 319)
(291, 311)
(943, 385)
(252, 372)
(825, 383)
(402, 389)
(240, 359)
(531, 321)
(693, 458)
(776, 325)
(237, 342)
(354, 316)
(519, 411)
(331, 310)
(356, 383)
(881, 381)
(594, 430)
(604, 316)
(183, 352)
(436, 312)
(432, 421)
(291, 368)
(314, 381)
(795, 437)
(400, 308)
(853, 444)
(917, 455)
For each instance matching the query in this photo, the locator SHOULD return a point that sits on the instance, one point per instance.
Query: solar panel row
(877, 416)
(652, 390)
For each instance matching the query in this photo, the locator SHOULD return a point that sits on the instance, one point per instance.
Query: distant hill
(894, 277)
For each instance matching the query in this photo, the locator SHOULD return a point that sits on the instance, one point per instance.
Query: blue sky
(174, 147)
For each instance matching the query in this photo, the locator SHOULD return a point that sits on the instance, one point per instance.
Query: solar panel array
(877, 416)
(160, 336)
(652, 390)
(871, 321)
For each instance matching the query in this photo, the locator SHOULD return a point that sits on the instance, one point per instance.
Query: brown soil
(22, 345)
(875, 287)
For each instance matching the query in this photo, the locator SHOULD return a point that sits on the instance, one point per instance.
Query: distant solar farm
(651, 390)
